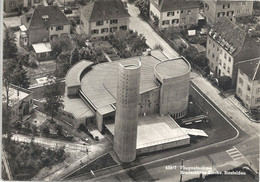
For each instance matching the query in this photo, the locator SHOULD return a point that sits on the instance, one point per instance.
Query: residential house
(40, 26)
(175, 13)
(13, 6)
(20, 102)
(228, 44)
(215, 9)
(248, 83)
(100, 18)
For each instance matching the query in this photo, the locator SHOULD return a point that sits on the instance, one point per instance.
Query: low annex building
(20, 102)
(162, 96)
(100, 18)
(248, 83)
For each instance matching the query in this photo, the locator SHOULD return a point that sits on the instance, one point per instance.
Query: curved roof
(172, 68)
(100, 84)
(73, 75)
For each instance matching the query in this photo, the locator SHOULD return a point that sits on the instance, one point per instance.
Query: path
(152, 38)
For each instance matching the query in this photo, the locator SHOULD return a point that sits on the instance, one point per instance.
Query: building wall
(37, 36)
(174, 95)
(189, 17)
(220, 61)
(248, 91)
(164, 17)
(156, 12)
(12, 5)
(58, 33)
(126, 113)
(164, 146)
(87, 27)
(149, 102)
(239, 8)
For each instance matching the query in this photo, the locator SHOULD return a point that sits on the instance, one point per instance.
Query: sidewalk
(225, 105)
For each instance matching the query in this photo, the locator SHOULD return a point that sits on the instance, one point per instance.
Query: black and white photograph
(130, 90)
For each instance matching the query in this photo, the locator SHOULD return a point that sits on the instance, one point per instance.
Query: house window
(104, 30)
(248, 88)
(96, 31)
(220, 62)
(189, 11)
(209, 41)
(113, 29)
(177, 12)
(113, 21)
(229, 59)
(217, 59)
(208, 51)
(217, 48)
(123, 27)
(170, 13)
(221, 14)
(183, 20)
(175, 21)
(220, 51)
(230, 13)
(213, 55)
(59, 28)
(213, 45)
(51, 28)
(166, 22)
(241, 81)
(239, 91)
(224, 66)
(228, 69)
(243, 3)
(99, 23)
(225, 55)
(12, 3)
(257, 100)
(181, 11)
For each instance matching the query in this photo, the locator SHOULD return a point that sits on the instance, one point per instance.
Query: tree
(143, 6)
(46, 130)
(155, 20)
(225, 82)
(74, 56)
(53, 96)
(63, 64)
(61, 44)
(59, 130)
(20, 76)
(9, 46)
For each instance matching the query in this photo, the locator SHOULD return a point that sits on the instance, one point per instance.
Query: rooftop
(163, 129)
(172, 68)
(104, 10)
(169, 5)
(251, 68)
(44, 17)
(234, 39)
(77, 107)
(73, 75)
(16, 94)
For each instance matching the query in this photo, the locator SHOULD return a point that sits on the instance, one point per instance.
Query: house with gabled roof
(215, 9)
(228, 44)
(248, 83)
(40, 26)
(175, 13)
(100, 18)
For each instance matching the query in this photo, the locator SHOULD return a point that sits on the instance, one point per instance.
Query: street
(152, 38)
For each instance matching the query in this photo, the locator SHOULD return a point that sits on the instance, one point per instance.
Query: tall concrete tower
(125, 134)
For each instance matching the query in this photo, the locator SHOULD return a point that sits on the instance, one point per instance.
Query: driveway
(152, 38)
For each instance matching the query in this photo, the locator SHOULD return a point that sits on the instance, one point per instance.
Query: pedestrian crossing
(234, 153)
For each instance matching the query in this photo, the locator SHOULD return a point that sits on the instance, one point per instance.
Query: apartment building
(40, 26)
(215, 9)
(100, 18)
(175, 13)
(248, 83)
(12, 6)
(228, 44)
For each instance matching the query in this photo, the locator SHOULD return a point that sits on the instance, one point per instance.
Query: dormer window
(45, 17)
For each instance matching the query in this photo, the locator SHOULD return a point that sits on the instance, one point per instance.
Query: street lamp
(180, 170)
